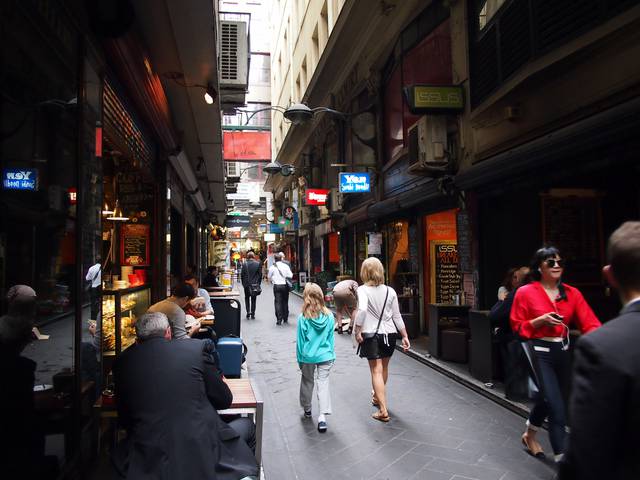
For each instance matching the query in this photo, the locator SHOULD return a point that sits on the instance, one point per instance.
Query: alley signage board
(434, 98)
(238, 221)
(316, 196)
(355, 182)
(275, 228)
(20, 179)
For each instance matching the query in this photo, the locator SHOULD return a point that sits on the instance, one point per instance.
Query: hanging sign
(238, 221)
(20, 179)
(134, 245)
(316, 196)
(275, 228)
(355, 182)
(434, 98)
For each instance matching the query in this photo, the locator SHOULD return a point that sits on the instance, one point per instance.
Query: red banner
(247, 146)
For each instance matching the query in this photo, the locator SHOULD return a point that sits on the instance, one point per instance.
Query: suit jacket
(167, 393)
(605, 402)
(251, 273)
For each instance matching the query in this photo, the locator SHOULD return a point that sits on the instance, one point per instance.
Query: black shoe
(322, 427)
(278, 322)
(248, 315)
(307, 414)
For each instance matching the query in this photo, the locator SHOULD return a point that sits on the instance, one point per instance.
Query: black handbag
(372, 342)
(255, 289)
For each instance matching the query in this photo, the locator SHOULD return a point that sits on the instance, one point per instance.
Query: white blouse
(370, 302)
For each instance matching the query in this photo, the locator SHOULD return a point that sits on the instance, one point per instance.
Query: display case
(120, 309)
(406, 285)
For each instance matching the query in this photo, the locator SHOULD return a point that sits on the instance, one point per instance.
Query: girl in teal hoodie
(315, 351)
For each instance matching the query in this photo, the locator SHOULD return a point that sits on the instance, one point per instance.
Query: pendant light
(106, 210)
(117, 215)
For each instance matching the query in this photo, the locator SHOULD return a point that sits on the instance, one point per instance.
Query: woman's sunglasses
(552, 262)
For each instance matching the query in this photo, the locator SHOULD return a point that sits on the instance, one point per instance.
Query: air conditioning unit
(428, 145)
(234, 55)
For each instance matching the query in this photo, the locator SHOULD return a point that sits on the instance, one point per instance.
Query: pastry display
(131, 306)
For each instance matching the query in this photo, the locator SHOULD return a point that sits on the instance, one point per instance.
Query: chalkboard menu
(134, 245)
(445, 273)
(463, 228)
(135, 196)
(573, 224)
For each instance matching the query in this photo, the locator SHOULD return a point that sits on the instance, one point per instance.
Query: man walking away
(605, 403)
(95, 289)
(278, 274)
(251, 276)
(167, 394)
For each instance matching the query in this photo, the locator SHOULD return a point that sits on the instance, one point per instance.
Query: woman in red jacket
(541, 314)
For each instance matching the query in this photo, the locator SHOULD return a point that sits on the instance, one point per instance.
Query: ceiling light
(298, 113)
(117, 215)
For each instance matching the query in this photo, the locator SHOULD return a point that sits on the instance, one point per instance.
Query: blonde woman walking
(378, 326)
(315, 351)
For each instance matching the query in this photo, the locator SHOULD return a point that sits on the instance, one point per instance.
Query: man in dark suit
(167, 393)
(605, 402)
(251, 276)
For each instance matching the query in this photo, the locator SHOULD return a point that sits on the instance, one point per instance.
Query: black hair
(183, 290)
(189, 277)
(542, 254)
(211, 268)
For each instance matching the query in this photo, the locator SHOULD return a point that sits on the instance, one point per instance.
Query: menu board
(445, 273)
(573, 224)
(463, 229)
(134, 245)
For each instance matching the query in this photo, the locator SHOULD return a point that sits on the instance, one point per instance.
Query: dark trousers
(249, 301)
(281, 302)
(247, 431)
(551, 366)
(96, 298)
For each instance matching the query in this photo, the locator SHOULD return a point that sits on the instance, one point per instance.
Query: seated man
(167, 394)
(173, 306)
(211, 278)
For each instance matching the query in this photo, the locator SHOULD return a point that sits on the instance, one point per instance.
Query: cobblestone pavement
(439, 429)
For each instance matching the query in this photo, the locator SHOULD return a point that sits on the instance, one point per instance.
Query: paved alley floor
(439, 429)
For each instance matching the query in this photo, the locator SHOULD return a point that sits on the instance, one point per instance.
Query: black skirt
(373, 348)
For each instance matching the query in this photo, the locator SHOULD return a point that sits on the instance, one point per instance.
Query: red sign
(73, 195)
(247, 146)
(316, 196)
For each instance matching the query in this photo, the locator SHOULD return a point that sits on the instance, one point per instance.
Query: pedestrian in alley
(541, 314)
(605, 402)
(94, 279)
(345, 294)
(378, 325)
(251, 276)
(279, 273)
(315, 352)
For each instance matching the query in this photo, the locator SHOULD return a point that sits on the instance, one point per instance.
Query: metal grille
(522, 30)
(229, 51)
(119, 122)
(515, 37)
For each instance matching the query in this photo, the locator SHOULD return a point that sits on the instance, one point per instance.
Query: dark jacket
(605, 402)
(167, 394)
(251, 273)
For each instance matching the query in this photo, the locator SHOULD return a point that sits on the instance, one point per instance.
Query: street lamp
(273, 168)
(296, 113)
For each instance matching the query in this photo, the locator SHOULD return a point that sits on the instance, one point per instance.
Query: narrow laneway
(439, 429)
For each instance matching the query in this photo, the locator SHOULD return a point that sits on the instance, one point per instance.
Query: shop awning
(608, 127)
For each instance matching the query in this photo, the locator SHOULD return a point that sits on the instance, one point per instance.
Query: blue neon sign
(20, 179)
(355, 182)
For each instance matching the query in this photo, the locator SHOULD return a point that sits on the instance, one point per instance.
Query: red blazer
(532, 301)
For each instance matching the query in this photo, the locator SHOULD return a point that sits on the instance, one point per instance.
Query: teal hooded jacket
(315, 339)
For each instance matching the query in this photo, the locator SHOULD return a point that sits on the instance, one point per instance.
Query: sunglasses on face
(552, 262)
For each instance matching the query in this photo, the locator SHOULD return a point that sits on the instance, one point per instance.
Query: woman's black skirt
(375, 347)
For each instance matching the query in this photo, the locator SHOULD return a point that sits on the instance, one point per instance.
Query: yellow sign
(434, 97)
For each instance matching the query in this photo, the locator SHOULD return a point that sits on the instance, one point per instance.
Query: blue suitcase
(230, 355)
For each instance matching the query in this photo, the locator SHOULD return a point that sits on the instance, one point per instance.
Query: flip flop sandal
(380, 417)
(527, 448)
(374, 401)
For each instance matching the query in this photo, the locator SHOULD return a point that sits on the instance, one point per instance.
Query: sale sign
(316, 196)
